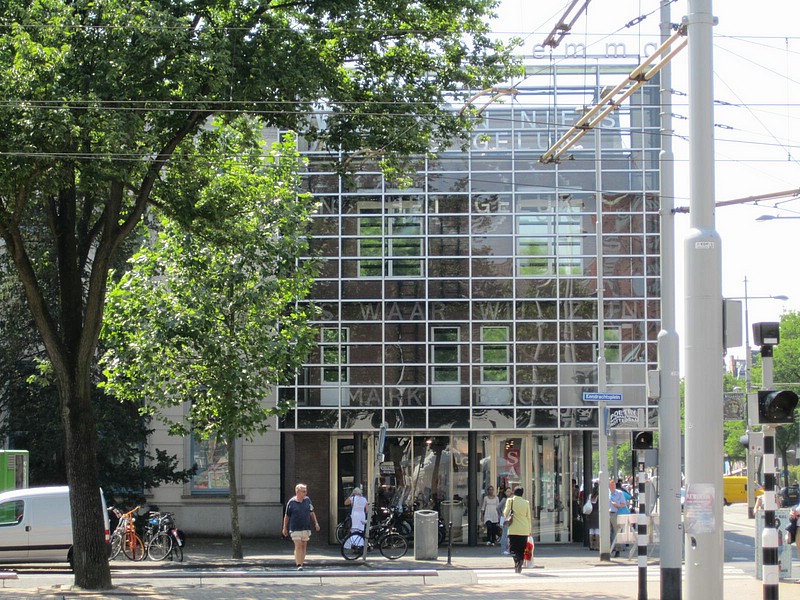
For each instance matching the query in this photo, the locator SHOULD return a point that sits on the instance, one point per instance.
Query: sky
(756, 66)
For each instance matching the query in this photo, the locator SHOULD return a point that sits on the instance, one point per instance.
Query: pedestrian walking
(617, 505)
(791, 528)
(506, 494)
(518, 512)
(297, 522)
(593, 517)
(490, 515)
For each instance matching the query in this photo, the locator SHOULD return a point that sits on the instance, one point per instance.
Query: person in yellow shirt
(519, 511)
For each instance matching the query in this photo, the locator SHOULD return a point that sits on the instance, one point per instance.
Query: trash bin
(457, 508)
(426, 535)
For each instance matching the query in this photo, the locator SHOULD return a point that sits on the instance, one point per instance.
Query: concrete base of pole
(671, 584)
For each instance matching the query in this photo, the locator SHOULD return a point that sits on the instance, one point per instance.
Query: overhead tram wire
(756, 117)
(603, 37)
(634, 81)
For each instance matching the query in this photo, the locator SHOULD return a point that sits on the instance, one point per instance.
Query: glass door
(510, 463)
(550, 488)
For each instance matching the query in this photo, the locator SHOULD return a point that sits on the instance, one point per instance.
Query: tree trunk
(236, 534)
(90, 553)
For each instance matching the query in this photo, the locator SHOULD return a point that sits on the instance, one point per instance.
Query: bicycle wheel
(159, 546)
(176, 553)
(116, 545)
(343, 529)
(353, 546)
(133, 547)
(393, 546)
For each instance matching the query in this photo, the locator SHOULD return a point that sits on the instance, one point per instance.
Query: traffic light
(753, 441)
(767, 334)
(642, 440)
(776, 406)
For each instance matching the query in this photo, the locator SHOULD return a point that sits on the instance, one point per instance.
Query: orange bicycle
(125, 539)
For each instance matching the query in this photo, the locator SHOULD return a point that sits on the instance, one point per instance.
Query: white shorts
(301, 536)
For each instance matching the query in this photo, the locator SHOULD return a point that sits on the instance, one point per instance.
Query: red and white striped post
(641, 528)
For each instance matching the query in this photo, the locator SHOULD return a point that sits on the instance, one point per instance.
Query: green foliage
(210, 313)
(732, 431)
(99, 96)
(126, 469)
(29, 400)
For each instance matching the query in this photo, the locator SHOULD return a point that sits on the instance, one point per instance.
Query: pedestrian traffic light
(642, 440)
(753, 441)
(776, 406)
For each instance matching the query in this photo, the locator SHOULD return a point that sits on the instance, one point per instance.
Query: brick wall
(307, 460)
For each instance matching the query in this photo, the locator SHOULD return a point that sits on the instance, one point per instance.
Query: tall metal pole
(748, 365)
(703, 285)
(602, 428)
(602, 449)
(669, 406)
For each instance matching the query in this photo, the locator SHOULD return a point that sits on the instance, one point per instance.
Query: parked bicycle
(343, 529)
(162, 538)
(125, 539)
(401, 519)
(391, 544)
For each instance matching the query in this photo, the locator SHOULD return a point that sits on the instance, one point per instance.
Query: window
(11, 513)
(390, 240)
(445, 355)
(334, 355)
(549, 242)
(494, 355)
(612, 348)
(211, 458)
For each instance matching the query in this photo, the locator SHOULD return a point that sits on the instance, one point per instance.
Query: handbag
(587, 508)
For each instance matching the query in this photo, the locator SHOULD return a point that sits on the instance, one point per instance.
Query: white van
(36, 525)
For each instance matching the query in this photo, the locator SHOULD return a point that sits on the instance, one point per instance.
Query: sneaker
(489, 544)
(299, 567)
(506, 553)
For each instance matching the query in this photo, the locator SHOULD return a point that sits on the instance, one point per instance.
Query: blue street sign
(601, 397)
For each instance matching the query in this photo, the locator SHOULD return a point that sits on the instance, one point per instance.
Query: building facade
(468, 313)
(471, 317)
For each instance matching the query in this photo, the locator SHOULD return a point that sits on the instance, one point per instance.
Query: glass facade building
(469, 311)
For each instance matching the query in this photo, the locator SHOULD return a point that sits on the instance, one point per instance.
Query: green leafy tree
(100, 95)
(213, 319)
(732, 431)
(29, 399)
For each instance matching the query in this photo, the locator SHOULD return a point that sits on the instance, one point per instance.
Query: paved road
(567, 572)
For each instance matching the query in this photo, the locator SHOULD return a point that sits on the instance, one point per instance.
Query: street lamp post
(748, 365)
(776, 217)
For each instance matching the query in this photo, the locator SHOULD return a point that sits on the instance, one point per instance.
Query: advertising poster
(699, 508)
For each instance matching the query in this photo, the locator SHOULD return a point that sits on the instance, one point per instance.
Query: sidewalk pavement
(566, 571)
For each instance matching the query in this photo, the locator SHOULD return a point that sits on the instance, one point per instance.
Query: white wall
(258, 469)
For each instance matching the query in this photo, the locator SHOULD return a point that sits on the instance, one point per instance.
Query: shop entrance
(433, 472)
(538, 463)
